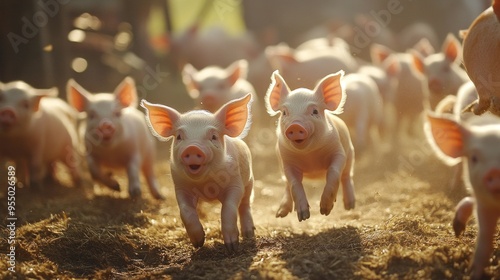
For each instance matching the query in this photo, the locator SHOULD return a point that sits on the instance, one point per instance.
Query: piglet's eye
(473, 159)
(91, 115)
(315, 112)
(179, 137)
(118, 113)
(25, 104)
(214, 137)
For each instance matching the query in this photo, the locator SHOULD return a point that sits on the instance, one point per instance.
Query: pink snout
(492, 181)
(296, 133)
(193, 158)
(106, 129)
(7, 117)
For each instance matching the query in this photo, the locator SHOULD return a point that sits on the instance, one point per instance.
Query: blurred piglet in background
(209, 161)
(37, 130)
(116, 136)
(212, 87)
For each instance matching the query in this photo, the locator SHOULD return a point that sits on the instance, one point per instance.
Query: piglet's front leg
(487, 221)
(134, 184)
(286, 205)
(187, 206)
(331, 189)
(294, 178)
(229, 217)
(98, 175)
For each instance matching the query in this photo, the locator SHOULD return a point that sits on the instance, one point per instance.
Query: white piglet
(36, 130)
(312, 142)
(116, 136)
(476, 144)
(212, 87)
(209, 161)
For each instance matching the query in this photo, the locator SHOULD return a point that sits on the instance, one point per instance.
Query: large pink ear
(237, 70)
(235, 116)
(424, 47)
(417, 62)
(446, 137)
(392, 66)
(332, 92)
(40, 93)
(192, 86)
(277, 92)
(160, 119)
(379, 53)
(126, 94)
(451, 48)
(77, 96)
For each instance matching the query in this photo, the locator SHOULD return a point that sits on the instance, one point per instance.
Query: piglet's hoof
(458, 227)
(232, 247)
(303, 215)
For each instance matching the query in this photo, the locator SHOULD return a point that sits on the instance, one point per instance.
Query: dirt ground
(400, 229)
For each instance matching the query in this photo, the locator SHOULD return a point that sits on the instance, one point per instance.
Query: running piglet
(116, 136)
(312, 142)
(209, 161)
(37, 130)
(476, 145)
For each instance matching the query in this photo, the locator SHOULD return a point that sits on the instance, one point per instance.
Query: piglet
(305, 67)
(116, 136)
(209, 161)
(37, 130)
(363, 110)
(482, 60)
(476, 144)
(212, 87)
(312, 142)
(443, 72)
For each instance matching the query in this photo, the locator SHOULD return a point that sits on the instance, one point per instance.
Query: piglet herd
(329, 104)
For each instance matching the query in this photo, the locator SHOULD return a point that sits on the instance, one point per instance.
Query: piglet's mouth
(299, 141)
(194, 168)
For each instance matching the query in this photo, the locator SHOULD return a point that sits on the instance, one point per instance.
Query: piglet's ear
(331, 91)
(379, 53)
(424, 47)
(188, 73)
(451, 48)
(237, 70)
(446, 137)
(77, 96)
(160, 119)
(277, 92)
(126, 94)
(40, 93)
(235, 116)
(417, 62)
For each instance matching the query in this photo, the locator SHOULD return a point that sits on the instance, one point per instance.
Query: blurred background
(99, 42)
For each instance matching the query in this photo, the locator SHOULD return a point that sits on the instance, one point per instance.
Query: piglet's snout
(193, 157)
(106, 129)
(492, 180)
(435, 85)
(296, 133)
(7, 117)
